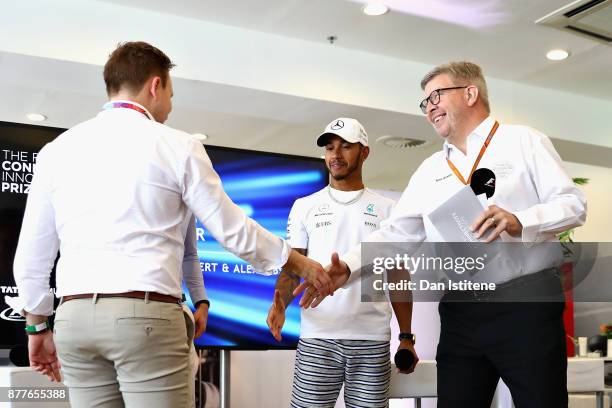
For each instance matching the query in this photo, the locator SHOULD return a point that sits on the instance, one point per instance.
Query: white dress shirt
(531, 183)
(114, 195)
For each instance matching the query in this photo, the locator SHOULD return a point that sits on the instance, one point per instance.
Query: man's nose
(430, 107)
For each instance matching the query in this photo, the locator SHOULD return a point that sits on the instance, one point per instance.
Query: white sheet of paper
(454, 217)
(483, 200)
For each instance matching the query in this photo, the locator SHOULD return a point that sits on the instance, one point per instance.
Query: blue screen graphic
(265, 187)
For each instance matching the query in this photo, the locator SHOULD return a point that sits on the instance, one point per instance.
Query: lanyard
(482, 151)
(126, 105)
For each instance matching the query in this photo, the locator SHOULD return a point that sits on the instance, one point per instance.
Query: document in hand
(453, 218)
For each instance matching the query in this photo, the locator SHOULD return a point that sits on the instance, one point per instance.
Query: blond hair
(462, 71)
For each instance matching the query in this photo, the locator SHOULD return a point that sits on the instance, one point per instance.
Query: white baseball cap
(348, 129)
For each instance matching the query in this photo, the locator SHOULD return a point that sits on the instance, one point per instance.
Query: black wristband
(407, 336)
(205, 301)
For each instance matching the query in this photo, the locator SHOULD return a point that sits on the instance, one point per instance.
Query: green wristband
(38, 328)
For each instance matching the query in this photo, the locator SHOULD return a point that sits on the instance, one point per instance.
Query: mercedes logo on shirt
(338, 125)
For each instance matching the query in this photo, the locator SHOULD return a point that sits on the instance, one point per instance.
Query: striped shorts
(323, 365)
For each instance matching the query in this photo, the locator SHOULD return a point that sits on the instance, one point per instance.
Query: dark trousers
(522, 343)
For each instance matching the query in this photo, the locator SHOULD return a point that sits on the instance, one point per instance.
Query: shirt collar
(479, 134)
(108, 105)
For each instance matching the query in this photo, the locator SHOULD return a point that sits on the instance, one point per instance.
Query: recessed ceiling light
(375, 9)
(557, 55)
(200, 136)
(36, 117)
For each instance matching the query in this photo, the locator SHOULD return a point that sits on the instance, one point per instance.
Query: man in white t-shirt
(344, 340)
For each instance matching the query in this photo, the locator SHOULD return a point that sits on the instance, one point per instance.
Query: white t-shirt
(323, 225)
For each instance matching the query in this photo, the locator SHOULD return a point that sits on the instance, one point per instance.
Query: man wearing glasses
(522, 343)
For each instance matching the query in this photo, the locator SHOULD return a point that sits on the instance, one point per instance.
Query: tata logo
(338, 125)
(324, 207)
(370, 208)
(11, 315)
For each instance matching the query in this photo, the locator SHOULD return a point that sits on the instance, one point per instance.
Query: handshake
(318, 283)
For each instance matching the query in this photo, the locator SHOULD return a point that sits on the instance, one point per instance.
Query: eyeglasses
(434, 97)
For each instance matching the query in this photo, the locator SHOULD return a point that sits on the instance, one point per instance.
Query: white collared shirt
(531, 183)
(114, 195)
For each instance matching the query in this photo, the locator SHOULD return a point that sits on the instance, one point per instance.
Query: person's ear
(471, 95)
(154, 87)
(365, 152)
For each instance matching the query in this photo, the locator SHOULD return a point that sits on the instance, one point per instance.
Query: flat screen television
(264, 185)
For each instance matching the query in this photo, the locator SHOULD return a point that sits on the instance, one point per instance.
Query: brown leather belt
(136, 294)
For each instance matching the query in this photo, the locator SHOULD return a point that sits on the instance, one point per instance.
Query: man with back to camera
(114, 194)
(522, 342)
(343, 341)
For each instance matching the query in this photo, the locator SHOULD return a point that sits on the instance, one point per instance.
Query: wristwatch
(407, 336)
(38, 328)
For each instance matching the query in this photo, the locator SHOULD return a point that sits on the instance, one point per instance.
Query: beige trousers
(120, 352)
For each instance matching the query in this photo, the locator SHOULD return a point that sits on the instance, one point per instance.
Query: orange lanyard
(482, 151)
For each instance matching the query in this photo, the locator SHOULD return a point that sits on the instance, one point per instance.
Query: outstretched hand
(312, 272)
(338, 272)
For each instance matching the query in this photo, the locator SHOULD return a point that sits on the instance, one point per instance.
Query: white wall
(261, 378)
(598, 227)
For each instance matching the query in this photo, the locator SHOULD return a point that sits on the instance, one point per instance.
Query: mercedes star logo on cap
(338, 125)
